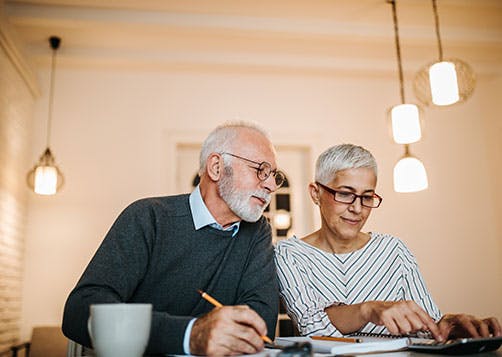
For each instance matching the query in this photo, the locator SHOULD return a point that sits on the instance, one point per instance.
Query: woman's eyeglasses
(370, 201)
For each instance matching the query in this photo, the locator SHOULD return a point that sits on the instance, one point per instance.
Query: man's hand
(400, 317)
(229, 330)
(462, 325)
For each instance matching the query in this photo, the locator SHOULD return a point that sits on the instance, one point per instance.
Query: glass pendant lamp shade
(405, 120)
(45, 178)
(424, 88)
(443, 83)
(410, 175)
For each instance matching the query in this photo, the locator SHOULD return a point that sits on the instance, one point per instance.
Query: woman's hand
(463, 325)
(400, 317)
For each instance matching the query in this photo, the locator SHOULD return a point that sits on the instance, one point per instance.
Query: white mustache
(267, 197)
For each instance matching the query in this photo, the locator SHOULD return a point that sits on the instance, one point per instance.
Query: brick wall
(16, 105)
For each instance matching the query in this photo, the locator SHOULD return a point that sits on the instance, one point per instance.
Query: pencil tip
(199, 291)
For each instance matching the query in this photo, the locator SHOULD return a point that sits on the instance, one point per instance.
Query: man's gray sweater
(153, 254)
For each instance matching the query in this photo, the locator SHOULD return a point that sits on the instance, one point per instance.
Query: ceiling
(353, 36)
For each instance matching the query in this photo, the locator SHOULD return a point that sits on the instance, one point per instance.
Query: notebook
(368, 345)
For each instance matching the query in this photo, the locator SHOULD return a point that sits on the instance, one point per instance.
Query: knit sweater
(153, 254)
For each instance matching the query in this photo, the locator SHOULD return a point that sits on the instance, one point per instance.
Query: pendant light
(45, 178)
(405, 117)
(445, 82)
(409, 172)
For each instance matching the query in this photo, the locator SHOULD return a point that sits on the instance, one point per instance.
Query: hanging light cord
(54, 41)
(398, 50)
(436, 19)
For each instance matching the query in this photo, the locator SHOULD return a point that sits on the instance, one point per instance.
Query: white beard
(238, 200)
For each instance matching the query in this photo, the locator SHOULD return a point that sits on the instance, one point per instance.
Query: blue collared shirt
(202, 218)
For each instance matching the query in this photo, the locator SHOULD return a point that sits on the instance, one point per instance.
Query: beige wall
(16, 105)
(112, 137)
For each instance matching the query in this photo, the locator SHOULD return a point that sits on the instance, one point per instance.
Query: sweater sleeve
(113, 275)
(304, 304)
(258, 287)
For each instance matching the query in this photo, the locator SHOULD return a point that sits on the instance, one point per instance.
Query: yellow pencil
(216, 303)
(338, 339)
(209, 298)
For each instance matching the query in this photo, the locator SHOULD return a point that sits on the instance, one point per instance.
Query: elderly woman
(339, 280)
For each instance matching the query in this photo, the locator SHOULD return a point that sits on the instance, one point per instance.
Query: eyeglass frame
(261, 168)
(356, 196)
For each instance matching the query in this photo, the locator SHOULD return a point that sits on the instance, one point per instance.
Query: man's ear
(214, 166)
(314, 193)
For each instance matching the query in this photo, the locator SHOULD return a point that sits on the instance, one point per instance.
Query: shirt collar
(202, 217)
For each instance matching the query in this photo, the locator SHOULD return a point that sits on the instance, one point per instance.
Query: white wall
(109, 133)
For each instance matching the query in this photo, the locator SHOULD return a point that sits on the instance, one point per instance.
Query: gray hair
(342, 157)
(222, 139)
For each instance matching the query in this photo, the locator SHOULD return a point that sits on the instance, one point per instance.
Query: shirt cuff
(186, 337)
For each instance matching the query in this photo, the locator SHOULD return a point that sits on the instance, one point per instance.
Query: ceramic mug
(120, 329)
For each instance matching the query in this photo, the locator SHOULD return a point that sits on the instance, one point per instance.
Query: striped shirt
(311, 280)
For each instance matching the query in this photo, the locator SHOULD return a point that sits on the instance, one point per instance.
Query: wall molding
(16, 57)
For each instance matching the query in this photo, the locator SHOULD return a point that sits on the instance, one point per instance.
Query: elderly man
(162, 250)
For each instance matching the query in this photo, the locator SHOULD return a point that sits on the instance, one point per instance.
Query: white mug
(120, 329)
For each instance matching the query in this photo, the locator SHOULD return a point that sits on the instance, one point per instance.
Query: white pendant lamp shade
(444, 83)
(410, 175)
(405, 123)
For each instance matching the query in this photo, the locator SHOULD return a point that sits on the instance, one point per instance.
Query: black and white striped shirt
(311, 279)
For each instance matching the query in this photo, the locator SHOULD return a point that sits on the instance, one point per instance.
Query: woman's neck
(333, 244)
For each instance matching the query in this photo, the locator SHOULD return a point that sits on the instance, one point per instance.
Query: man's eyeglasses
(264, 170)
(370, 201)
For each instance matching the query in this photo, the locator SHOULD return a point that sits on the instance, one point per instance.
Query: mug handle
(89, 327)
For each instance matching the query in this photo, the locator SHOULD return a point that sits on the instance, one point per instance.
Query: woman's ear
(314, 193)
(214, 166)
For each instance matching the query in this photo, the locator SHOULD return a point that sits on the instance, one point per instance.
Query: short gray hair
(222, 139)
(342, 157)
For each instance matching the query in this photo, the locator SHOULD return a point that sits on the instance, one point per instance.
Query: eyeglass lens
(349, 197)
(265, 170)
